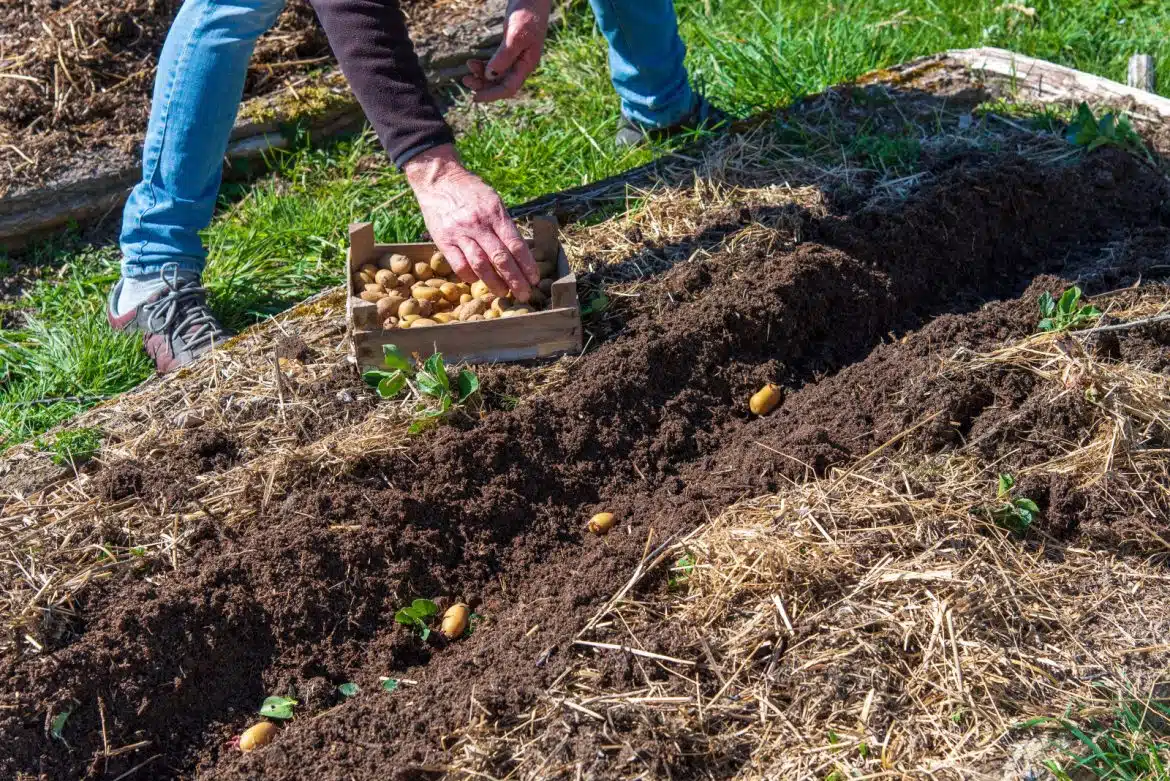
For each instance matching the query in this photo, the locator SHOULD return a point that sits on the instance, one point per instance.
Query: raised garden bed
(846, 585)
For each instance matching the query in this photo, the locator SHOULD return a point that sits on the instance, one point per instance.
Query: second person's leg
(197, 93)
(646, 60)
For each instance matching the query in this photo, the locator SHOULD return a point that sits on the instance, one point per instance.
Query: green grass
(1132, 745)
(281, 238)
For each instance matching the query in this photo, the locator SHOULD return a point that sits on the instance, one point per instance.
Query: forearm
(370, 40)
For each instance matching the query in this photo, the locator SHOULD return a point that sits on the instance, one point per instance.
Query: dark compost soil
(76, 76)
(652, 425)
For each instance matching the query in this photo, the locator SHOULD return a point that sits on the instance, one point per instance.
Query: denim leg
(646, 59)
(197, 92)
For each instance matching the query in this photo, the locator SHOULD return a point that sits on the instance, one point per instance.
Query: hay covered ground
(838, 590)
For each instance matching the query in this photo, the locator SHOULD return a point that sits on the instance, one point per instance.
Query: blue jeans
(200, 81)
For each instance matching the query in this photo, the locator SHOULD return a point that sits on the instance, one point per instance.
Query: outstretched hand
(469, 224)
(525, 27)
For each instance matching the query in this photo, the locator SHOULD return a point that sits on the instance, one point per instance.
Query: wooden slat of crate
(536, 335)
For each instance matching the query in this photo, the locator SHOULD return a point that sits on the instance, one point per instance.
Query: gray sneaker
(176, 324)
(704, 117)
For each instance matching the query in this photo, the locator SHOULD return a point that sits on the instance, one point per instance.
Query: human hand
(468, 223)
(525, 27)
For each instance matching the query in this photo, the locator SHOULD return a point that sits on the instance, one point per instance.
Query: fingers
(476, 80)
(507, 265)
(458, 262)
(503, 90)
(517, 249)
(482, 265)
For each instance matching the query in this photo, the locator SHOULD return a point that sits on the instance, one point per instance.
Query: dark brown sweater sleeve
(373, 47)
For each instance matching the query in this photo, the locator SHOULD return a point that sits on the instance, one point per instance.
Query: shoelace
(184, 309)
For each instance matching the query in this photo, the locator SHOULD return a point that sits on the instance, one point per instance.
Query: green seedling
(416, 616)
(1066, 313)
(348, 689)
(1089, 132)
(278, 707)
(599, 303)
(74, 446)
(680, 572)
(390, 684)
(1011, 512)
(57, 726)
(428, 380)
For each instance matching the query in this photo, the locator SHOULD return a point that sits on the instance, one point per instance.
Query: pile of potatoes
(418, 294)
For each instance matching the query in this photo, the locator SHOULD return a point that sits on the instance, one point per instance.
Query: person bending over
(197, 92)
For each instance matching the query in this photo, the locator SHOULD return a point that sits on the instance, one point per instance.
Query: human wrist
(433, 165)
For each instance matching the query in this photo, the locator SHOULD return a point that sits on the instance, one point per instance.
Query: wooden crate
(548, 332)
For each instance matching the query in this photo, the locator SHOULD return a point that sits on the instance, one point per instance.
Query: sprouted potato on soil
(423, 294)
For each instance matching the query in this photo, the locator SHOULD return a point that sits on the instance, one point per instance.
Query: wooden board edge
(1047, 81)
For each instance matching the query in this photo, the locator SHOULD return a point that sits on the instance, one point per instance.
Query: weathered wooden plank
(1048, 82)
(535, 335)
(1140, 73)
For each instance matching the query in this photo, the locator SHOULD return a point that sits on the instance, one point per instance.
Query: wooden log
(1047, 82)
(1140, 74)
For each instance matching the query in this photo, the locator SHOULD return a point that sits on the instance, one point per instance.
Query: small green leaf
(404, 616)
(395, 359)
(277, 707)
(1028, 505)
(435, 367)
(1006, 483)
(467, 382)
(138, 551)
(423, 608)
(390, 684)
(374, 376)
(392, 385)
(1068, 300)
(1047, 304)
(473, 621)
(348, 689)
(58, 725)
(1047, 324)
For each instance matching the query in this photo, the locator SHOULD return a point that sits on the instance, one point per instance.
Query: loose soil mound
(77, 76)
(651, 425)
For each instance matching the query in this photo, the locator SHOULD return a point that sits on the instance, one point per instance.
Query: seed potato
(423, 270)
(439, 264)
(400, 264)
(465, 298)
(443, 317)
(455, 621)
(474, 318)
(424, 293)
(407, 320)
(450, 292)
(422, 322)
(258, 735)
(385, 278)
(372, 297)
(374, 287)
(479, 288)
(602, 523)
(369, 268)
(765, 399)
(491, 314)
(388, 305)
(408, 307)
